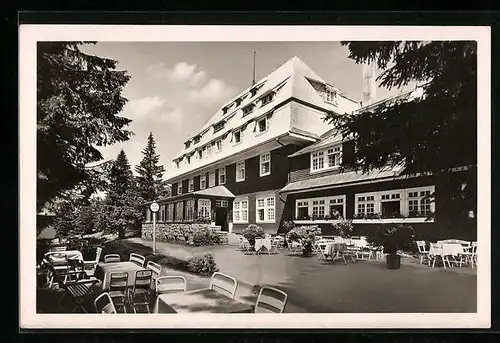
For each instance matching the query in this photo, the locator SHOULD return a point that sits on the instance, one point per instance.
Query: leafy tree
(435, 132)
(150, 180)
(78, 99)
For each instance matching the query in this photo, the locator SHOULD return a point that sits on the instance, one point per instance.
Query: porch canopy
(217, 191)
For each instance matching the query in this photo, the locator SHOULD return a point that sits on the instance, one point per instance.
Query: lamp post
(154, 207)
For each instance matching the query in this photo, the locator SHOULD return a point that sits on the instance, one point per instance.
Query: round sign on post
(154, 207)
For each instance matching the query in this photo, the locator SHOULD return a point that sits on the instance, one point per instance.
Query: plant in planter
(305, 236)
(251, 232)
(343, 228)
(393, 238)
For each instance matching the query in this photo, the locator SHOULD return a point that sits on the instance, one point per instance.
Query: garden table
(338, 250)
(262, 243)
(204, 300)
(104, 270)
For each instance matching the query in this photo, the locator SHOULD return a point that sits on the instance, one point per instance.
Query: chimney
(369, 85)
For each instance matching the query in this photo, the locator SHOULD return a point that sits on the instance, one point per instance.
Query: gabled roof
(340, 180)
(217, 191)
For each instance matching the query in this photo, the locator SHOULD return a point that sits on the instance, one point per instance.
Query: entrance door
(221, 218)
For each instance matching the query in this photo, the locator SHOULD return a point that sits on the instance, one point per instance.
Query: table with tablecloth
(200, 301)
(61, 257)
(262, 243)
(104, 270)
(338, 250)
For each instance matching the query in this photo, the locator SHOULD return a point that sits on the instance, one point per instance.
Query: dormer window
(331, 158)
(200, 154)
(267, 99)
(187, 144)
(238, 102)
(218, 145)
(188, 159)
(196, 139)
(247, 110)
(177, 164)
(262, 125)
(237, 137)
(330, 96)
(219, 126)
(224, 110)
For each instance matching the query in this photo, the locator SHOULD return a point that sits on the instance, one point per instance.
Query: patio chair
(57, 248)
(270, 300)
(435, 253)
(103, 304)
(223, 284)
(275, 244)
(170, 284)
(473, 257)
(111, 258)
(293, 246)
(363, 249)
(320, 250)
(139, 295)
(137, 259)
(423, 252)
(90, 266)
(155, 268)
(118, 285)
(453, 253)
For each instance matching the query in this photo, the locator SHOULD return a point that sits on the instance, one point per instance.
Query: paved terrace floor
(322, 287)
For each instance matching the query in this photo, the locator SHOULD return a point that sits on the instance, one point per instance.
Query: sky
(176, 87)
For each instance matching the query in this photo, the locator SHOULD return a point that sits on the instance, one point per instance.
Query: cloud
(144, 105)
(213, 90)
(180, 72)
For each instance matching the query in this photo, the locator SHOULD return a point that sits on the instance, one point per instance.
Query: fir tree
(150, 179)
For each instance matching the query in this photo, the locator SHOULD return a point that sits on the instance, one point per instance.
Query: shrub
(202, 265)
(393, 238)
(287, 226)
(304, 235)
(251, 232)
(343, 228)
(206, 237)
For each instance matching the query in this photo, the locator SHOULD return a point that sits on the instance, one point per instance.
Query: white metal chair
(275, 244)
(170, 284)
(90, 266)
(110, 258)
(155, 268)
(270, 300)
(453, 253)
(104, 304)
(140, 293)
(118, 286)
(223, 284)
(423, 252)
(293, 246)
(137, 259)
(363, 249)
(436, 252)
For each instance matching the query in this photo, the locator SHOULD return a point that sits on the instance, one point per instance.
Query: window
(265, 209)
(221, 203)
(177, 164)
(240, 211)
(333, 158)
(317, 160)
(203, 181)
(247, 110)
(236, 137)
(265, 164)
(204, 150)
(191, 185)
(333, 155)
(211, 178)
(149, 215)
(330, 96)
(302, 210)
(419, 202)
(170, 212)
(267, 99)
(219, 126)
(196, 139)
(179, 188)
(209, 150)
(365, 205)
(336, 208)
(200, 154)
(179, 211)
(189, 210)
(218, 145)
(240, 171)
(187, 144)
(188, 159)
(390, 204)
(204, 208)
(222, 175)
(262, 125)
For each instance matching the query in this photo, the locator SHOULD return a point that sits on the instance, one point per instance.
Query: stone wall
(176, 232)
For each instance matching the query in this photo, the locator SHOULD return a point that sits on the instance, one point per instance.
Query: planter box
(392, 220)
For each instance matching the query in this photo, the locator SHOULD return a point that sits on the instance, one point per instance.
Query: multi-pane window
(211, 178)
(265, 164)
(205, 153)
(333, 155)
(317, 160)
(222, 175)
(187, 144)
(189, 210)
(240, 171)
(170, 212)
(218, 145)
(203, 181)
(247, 110)
(204, 208)
(191, 185)
(221, 203)
(218, 126)
(267, 99)
(330, 95)
(336, 208)
(262, 125)
(240, 211)
(196, 139)
(318, 208)
(390, 204)
(179, 211)
(236, 137)
(161, 213)
(326, 159)
(179, 188)
(331, 207)
(366, 204)
(209, 150)
(419, 202)
(265, 209)
(302, 209)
